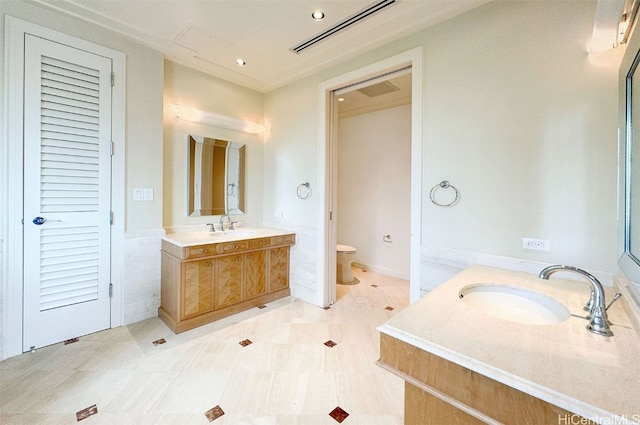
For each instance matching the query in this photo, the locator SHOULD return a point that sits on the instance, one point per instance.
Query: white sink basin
(514, 304)
(194, 238)
(230, 233)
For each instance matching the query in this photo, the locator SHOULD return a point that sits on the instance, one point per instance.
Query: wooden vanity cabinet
(204, 283)
(438, 391)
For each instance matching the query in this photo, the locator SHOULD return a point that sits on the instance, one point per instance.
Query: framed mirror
(629, 162)
(216, 177)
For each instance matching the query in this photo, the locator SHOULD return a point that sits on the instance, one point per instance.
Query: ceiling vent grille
(344, 24)
(379, 89)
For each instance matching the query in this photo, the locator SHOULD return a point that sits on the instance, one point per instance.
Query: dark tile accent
(374, 286)
(389, 308)
(338, 414)
(214, 413)
(261, 306)
(71, 341)
(330, 344)
(246, 342)
(85, 413)
(159, 341)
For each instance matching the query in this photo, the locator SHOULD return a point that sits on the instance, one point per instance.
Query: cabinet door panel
(228, 280)
(278, 268)
(255, 277)
(197, 293)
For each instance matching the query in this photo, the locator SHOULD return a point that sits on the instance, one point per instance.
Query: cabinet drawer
(284, 239)
(259, 243)
(223, 248)
(199, 251)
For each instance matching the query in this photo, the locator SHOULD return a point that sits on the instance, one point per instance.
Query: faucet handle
(231, 225)
(616, 297)
(212, 228)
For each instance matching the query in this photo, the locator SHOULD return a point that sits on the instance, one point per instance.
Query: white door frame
(12, 153)
(326, 261)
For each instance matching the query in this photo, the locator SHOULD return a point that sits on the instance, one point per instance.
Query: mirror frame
(628, 261)
(237, 187)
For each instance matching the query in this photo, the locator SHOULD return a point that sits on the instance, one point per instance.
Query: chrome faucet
(222, 220)
(598, 322)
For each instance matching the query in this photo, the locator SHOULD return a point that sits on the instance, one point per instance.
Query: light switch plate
(138, 195)
(148, 194)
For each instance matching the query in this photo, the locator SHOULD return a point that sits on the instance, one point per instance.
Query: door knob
(38, 221)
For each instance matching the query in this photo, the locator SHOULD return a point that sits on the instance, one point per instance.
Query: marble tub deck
(297, 364)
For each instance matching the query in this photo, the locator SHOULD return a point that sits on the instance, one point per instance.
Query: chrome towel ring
(304, 190)
(444, 184)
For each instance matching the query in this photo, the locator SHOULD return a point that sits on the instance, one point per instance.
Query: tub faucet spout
(598, 322)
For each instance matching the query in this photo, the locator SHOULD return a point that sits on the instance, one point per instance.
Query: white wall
(374, 154)
(188, 87)
(516, 114)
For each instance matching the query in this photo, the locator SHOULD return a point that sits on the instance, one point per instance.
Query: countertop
(203, 237)
(593, 376)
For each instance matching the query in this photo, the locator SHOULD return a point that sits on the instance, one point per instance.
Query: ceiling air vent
(379, 89)
(344, 24)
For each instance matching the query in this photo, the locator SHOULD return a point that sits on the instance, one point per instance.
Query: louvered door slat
(65, 157)
(65, 259)
(69, 265)
(63, 123)
(67, 235)
(49, 61)
(60, 174)
(69, 144)
(65, 71)
(69, 251)
(62, 150)
(62, 85)
(72, 94)
(59, 129)
(66, 163)
(66, 115)
(70, 109)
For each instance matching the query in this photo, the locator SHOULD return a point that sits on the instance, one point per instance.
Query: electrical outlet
(536, 244)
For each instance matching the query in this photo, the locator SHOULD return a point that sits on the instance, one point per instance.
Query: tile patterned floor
(287, 375)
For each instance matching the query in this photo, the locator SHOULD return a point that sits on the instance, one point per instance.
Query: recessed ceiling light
(318, 15)
(240, 62)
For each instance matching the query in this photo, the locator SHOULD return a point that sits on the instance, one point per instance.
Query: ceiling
(209, 35)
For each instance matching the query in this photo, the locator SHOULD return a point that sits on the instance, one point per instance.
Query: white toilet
(346, 256)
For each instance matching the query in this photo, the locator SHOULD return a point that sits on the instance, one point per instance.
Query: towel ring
(444, 185)
(304, 190)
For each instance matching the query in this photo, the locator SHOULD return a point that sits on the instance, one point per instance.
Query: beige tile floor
(285, 376)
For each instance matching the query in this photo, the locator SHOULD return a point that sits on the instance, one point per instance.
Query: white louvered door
(67, 192)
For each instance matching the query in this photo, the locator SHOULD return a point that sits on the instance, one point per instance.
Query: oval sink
(514, 304)
(236, 233)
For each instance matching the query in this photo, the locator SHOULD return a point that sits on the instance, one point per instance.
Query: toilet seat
(345, 249)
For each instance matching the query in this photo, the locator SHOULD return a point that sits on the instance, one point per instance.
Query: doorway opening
(328, 119)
